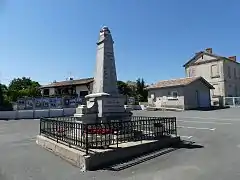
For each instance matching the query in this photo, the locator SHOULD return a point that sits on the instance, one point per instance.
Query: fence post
(86, 140)
(40, 126)
(56, 129)
(33, 108)
(175, 126)
(117, 136)
(234, 104)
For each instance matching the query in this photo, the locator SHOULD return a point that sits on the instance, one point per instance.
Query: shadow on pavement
(119, 166)
(212, 108)
(187, 145)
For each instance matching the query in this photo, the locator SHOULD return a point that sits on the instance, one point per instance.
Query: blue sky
(52, 39)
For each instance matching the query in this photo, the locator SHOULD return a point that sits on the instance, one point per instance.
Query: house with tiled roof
(223, 73)
(183, 93)
(72, 87)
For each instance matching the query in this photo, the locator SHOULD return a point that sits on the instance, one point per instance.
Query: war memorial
(103, 131)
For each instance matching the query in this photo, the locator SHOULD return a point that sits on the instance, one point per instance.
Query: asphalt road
(215, 156)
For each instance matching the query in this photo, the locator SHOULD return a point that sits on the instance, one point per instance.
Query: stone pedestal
(87, 113)
(110, 107)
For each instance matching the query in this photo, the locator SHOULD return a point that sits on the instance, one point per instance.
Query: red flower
(99, 131)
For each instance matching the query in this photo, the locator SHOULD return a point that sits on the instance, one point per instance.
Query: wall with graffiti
(54, 103)
(47, 103)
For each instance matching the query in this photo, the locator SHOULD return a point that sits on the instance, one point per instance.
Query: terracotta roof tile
(70, 82)
(176, 82)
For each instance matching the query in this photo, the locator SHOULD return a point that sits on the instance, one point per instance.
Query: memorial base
(85, 114)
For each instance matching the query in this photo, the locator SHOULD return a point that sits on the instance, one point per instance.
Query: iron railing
(79, 135)
(232, 101)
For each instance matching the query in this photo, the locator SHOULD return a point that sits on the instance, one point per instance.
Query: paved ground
(216, 158)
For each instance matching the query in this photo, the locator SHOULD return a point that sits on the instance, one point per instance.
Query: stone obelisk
(110, 104)
(105, 79)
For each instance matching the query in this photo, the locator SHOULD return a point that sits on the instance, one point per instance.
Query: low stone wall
(136, 107)
(34, 114)
(99, 158)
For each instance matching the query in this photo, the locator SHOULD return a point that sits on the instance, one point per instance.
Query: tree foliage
(1, 96)
(135, 89)
(23, 87)
(4, 100)
(123, 88)
(141, 91)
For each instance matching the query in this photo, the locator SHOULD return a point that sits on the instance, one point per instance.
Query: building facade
(223, 73)
(78, 88)
(183, 93)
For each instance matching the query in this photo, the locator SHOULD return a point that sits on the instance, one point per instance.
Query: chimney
(233, 58)
(209, 50)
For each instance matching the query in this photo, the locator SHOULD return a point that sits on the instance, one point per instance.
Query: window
(214, 71)
(229, 72)
(188, 72)
(46, 92)
(235, 73)
(172, 95)
(192, 72)
(83, 93)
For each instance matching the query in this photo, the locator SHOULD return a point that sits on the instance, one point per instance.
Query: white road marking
(211, 118)
(201, 128)
(187, 137)
(204, 122)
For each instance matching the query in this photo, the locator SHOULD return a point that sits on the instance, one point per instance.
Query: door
(197, 97)
(203, 99)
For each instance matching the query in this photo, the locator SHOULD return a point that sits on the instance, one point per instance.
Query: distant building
(184, 93)
(78, 87)
(223, 73)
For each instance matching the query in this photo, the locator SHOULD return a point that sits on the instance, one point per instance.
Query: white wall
(34, 114)
(81, 88)
(160, 101)
(51, 91)
(204, 70)
(232, 82)
(224, 85)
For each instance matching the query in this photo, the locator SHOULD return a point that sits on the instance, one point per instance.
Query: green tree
(22, 87)
(5, 104)
(1, 96)
(123, 88)
(141, 91)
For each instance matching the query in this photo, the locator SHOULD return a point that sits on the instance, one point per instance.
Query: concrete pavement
(216, 157)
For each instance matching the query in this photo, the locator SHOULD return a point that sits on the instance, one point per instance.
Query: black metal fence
(78, 135)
